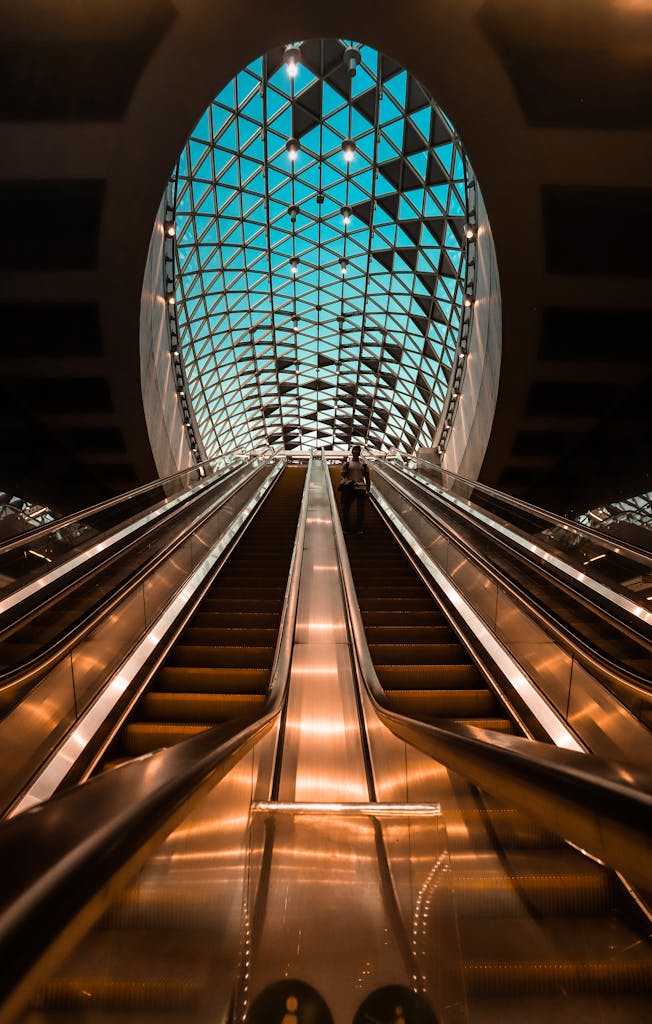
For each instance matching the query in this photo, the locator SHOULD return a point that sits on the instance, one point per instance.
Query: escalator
(620, 638)
(419, 660)
(219, 668)
(498, 920)
(542, 929)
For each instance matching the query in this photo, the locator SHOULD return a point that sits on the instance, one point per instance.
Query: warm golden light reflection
(316, 670)
(373, 809)
(317, 726)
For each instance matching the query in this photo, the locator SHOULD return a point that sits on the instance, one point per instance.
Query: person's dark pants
(357, 498)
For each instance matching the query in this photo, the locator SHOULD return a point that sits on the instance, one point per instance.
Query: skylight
(320, 254)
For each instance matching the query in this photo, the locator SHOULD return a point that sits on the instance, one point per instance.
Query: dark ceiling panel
(95, 439)
(622, 335)
(89, 76)
(50, 329)
(37, 466)
(81, 395)
(564, 398)
(598, 230)
(570, 74)
(48, 225)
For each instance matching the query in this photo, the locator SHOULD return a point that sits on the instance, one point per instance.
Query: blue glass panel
(228, 261)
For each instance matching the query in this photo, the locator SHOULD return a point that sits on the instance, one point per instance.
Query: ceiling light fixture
(348, 148)
(292, 58)
(352, 58)
(343, 265)
(294, 264)
(468, 231)
(292, 146)
(293, 211)
(347, 213)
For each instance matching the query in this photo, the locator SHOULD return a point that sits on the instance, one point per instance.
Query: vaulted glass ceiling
(319, 299)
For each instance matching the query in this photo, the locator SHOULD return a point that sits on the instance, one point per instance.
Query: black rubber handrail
(65, 861)
(602, 807)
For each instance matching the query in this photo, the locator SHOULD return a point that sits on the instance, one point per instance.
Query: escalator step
(387, 616)
(442, 703)
(408, 634)
(492, 724)
(143, 737)
(87, 993)
(597, 977)
(212, 680)
(492, 895)
(228, 636)
(389, 602)
(254, 591)
(398, 591)
(207, 656)
(198, 707)
(429, 677)
(233, 620)
(243, 604)
(190, 909)
(515, 830)
(417, 654)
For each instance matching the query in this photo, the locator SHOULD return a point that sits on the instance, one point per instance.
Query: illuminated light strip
(402, 810)
(555, 727)
(58, 766)
(62, 570)
(546, 556)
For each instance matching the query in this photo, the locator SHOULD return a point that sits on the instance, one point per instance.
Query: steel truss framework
(319, 300)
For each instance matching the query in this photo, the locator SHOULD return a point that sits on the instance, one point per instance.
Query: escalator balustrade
(420, 663)
(541, 928)
(220, 667)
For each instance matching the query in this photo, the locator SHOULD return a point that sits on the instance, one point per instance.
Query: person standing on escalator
(354, 488)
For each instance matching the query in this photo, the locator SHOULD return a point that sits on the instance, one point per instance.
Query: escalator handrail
(103, 506)
(20, 676)
(507, 500)
(86, 843)
(612, 673)
(545, 561)
(98, 548)
(602, 807)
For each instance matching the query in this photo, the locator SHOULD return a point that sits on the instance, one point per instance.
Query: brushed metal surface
(29, 731)
(322, 752)
(609, 728)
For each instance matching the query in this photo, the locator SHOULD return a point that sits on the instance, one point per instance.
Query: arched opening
(322, 261)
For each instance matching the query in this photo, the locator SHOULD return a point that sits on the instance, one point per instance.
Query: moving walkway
(447, 886)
